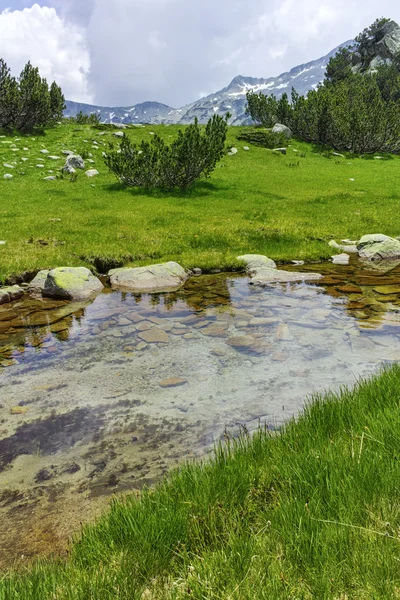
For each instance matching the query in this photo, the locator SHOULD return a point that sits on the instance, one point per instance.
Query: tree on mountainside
(353, 109)
(262, 109)
(28, 103)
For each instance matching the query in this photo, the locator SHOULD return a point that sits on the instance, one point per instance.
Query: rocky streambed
(102, 397)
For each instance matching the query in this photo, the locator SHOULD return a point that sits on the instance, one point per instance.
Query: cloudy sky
(120, 52)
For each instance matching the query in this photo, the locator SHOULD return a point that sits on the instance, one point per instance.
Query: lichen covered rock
(378, 247)
(10, 293)
(69, 283)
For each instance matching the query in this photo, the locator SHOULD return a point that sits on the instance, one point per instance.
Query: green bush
(155, 164)
(82, 119)
(266, 139)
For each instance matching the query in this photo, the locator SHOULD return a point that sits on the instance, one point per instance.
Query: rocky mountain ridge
(231, 99)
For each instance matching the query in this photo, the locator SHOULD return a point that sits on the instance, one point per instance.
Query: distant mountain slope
(232, 98)
(146, 112)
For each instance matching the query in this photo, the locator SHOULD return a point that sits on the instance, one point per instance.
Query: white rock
(7, 166)
(119, 134)
(246, 148)
(341, 259)
(50, 178)
(91, 173)
(40, 166)
(24, 159)
(44, 151)
(8, 176)
(54, 157)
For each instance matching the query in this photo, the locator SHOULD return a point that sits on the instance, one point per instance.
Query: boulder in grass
(163, 277)
(68, 283)
(378, 247)
(279, 128)
(10, 293)
(92, 173)
(73, 161)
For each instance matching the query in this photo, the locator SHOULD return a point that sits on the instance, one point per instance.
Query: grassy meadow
(310, 513)
(287, 207)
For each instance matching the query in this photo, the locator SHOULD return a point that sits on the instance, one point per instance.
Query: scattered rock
(163, 277)
(66, 152)
(54, 157)
(279, 128)
(50, 178)
(91, 173)
(280, 150)
(172, 382)
(338, 154)
(232, 151)
(10, 293)
(119, 134)
(70, 283)
(44, 151)
(246, 148)
(7, 176)
(350, 249)
(8, 166)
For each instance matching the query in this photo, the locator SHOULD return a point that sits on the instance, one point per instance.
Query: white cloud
(55, 46)
(172, 50)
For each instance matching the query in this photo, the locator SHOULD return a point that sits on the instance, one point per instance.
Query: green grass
(286, 207)
(312, 512)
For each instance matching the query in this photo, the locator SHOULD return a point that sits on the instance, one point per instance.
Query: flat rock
(154, 336)
(163, 277)
(172, 382)
(69, 283)
(10, 293)
(92, 173)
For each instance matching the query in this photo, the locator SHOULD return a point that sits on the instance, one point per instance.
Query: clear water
(84, 407)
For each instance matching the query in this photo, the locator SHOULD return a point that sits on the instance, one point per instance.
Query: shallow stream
(105, 397)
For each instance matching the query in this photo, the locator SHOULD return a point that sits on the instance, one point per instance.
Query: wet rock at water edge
(341, 259)
(69, 283)
(10, 293)
(172, 382)
(263, 271)
(378, 247)
(163, 277)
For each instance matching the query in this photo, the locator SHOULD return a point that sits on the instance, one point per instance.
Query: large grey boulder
(10, 293)
(263, 271)
(163, 277)
(73, 161)
(377, 247)
(279, 128)
(69, 283)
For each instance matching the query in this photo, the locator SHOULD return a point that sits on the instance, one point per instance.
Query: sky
(121, 52)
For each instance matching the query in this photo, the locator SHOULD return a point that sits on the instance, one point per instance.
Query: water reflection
(105, 397)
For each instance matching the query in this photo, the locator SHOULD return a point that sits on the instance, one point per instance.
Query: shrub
(266, 139)
(155, 164)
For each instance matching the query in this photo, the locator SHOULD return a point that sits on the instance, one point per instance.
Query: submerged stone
(263, 271)
(172, 382)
